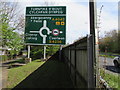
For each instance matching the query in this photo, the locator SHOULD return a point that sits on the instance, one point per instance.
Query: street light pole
(93, 76)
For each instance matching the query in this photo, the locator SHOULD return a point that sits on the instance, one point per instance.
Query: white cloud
(77, 21)
(109, 23)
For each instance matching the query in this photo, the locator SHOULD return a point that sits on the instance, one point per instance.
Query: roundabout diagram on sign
(41, 29)
(55, 32)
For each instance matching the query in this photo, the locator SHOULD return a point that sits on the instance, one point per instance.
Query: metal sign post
(44, 52)
(28, 51)
(28, 59)
(60, 53)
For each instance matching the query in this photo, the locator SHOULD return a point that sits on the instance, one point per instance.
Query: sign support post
(28, 51)
(28, 59)
(60, 52)
(44, 52)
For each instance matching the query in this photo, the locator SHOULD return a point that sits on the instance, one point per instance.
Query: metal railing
(79, 59)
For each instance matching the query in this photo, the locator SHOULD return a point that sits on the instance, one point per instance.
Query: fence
(79, 59)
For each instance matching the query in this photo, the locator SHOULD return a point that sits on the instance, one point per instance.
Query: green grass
(107, 56)
(3, 58)
(112, 80)
(17, 74)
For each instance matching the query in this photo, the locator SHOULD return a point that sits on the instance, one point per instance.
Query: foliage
(110, 42)
(111, 79)
(3, 57)
(52, 49)
(11, 14)
(38, 51)
(11, 40)
(10, 21)
(107, 56)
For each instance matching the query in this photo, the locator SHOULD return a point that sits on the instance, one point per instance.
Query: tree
(11, 20)
(119, 41)
(52, 49)
(11, 14)
(110, 42)
(38, 51)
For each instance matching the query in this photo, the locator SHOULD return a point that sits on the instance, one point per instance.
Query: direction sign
(45, 25)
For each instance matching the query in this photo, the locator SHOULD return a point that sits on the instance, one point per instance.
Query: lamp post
(93, 64)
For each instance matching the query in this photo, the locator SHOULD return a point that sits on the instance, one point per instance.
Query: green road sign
(45, 25)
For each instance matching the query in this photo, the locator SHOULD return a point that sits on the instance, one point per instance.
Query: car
(116, 61)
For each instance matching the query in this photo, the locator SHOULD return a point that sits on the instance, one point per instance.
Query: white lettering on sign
(33, 17)
(38, 8)
(44, 10)
(31, 38)
(56, 38)
(34, 35)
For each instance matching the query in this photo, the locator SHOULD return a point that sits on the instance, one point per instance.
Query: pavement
(4, 72)
(3, 75)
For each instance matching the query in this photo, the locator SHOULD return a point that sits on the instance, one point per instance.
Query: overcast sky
(78, 15)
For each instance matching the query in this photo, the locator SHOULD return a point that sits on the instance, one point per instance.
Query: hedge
(3, 57)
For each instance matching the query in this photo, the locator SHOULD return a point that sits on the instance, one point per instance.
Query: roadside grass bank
(17, 74)
(112, 80)
(108, 54)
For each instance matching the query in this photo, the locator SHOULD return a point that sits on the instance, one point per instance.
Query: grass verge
(17, 74)
(107, 56)
(112, 80)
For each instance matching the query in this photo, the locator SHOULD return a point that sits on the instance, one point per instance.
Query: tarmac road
(108, 65)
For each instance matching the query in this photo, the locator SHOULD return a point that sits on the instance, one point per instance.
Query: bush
(3, 57)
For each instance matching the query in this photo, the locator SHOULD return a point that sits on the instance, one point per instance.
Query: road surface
(108, 65)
